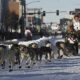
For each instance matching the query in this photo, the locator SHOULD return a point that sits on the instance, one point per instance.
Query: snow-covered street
(57, 69)
(67, 68)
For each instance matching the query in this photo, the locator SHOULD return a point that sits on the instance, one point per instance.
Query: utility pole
(23, 17)
(24, 13)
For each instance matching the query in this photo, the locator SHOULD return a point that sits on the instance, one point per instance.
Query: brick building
(13, 6)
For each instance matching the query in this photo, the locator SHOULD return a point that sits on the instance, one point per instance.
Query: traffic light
(39, 12)
(44, 13)
(57, 12)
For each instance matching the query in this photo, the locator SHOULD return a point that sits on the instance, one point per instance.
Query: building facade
(33, 16)
(11, 5)
(14, 6)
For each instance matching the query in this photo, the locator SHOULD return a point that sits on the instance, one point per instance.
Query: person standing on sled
(73, 43)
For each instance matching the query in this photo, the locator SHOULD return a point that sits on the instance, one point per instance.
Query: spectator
(76, 23)
(73, 43)
(70, 27)
(28, 34)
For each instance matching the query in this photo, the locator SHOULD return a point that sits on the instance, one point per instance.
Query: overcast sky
(53, 5)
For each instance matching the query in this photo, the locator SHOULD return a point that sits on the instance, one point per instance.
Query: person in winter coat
(28, 34)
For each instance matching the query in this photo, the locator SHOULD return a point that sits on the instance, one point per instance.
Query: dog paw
(28, 67)
(60, 57)
(20, 67)
(10, 70)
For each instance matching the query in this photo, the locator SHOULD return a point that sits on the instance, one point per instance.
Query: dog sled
(69, 46)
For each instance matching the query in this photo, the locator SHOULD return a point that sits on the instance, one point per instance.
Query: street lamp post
(32, 2)
(23, 17)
